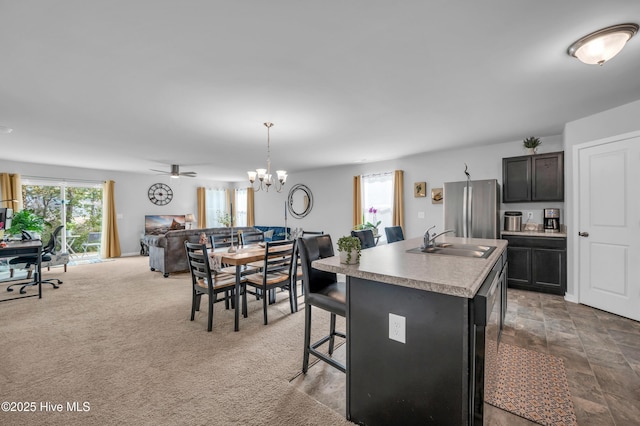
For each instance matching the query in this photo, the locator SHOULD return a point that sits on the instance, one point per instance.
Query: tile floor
(601, 353)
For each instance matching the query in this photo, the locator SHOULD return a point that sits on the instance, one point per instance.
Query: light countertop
(391, 264)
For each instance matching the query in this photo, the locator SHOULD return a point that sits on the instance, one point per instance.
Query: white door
(609, 225)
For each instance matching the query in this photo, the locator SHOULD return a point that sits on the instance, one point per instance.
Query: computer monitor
(5, 217)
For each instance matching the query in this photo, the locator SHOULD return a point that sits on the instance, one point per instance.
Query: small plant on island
(349, 245)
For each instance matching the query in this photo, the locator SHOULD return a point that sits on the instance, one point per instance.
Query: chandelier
(264, 175)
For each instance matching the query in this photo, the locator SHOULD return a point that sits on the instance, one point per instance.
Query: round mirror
(300, 201)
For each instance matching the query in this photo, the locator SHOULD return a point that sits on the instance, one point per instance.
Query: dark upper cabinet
(533, 178)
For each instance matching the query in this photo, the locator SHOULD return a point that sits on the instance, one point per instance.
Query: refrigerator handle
(465, 193)
(470, 212)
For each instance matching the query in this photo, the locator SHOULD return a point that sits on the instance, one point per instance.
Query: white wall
(332, 187)
(617, 121)
(132, 203)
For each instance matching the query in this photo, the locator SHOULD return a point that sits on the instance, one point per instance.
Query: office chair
(28, 261)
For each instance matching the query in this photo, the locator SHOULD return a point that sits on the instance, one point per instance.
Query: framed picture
(436, 196)
(420, 189)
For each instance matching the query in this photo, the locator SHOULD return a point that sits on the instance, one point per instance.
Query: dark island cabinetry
(533, 178)
(537, 263)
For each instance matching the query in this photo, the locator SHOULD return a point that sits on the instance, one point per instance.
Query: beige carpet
(532, 385)
(118, 337)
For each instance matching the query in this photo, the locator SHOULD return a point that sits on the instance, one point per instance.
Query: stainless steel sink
(454, 249)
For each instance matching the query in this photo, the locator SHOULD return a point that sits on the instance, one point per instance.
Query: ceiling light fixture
(602, 45)
(264, 175)
(5, 130)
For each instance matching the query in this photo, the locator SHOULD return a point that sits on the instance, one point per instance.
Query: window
(240, 207)
(216, 205)
(77, 205)
(377, 200)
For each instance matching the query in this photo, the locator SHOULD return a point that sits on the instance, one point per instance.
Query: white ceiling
(135, 85)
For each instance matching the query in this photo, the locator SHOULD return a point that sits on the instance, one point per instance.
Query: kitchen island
(416, 332)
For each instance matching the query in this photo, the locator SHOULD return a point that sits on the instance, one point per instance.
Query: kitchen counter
(391, 264)
(416, 321)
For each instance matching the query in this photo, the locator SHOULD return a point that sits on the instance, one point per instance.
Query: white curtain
(216, 205)
(241, 207)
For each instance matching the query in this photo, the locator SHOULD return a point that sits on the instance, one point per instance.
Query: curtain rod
(62, 179)
(377, 174)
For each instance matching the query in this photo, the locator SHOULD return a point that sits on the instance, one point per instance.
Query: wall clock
(160, 194)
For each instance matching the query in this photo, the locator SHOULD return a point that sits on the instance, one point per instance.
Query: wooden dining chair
(251, 237)
(275, 273)
(208, 281)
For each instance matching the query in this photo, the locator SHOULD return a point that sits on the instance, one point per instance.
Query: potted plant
(532, 143)
(349, 249)
(26, 220)
(373, 224)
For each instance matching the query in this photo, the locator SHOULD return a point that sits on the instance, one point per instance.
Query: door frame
(573, 230)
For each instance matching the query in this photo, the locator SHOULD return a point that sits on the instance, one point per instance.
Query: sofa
(279, 232)
(167, 253)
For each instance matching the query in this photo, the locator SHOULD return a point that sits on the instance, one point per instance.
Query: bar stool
(321, 290)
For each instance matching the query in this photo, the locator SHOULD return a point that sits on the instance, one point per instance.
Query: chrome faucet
(430, 239)
(427, 237)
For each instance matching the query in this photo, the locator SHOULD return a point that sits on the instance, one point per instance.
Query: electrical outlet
(397, 328)
(420, 215)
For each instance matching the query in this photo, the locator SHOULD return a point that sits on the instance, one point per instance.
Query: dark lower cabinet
(537, 263)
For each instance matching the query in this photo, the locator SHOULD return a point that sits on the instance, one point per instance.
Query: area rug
(532, 385)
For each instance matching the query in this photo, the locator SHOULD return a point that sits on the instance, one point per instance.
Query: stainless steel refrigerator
(472, 208)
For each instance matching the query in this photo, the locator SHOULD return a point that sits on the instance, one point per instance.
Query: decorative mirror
(300, 201)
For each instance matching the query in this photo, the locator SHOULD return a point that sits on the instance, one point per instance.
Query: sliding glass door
(76, 205)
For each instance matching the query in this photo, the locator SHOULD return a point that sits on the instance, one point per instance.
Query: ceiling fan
(175, 172)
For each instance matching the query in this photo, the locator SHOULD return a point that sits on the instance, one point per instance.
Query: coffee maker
(551, 220)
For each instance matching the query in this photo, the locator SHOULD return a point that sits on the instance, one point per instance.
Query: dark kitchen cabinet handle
(583, 234)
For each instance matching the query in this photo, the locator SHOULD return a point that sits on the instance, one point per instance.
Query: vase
(532, 151)
(352, 261)
(375, 232)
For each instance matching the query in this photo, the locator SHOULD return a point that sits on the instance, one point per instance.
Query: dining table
(242, 256)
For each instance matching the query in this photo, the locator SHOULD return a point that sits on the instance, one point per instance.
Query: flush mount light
(602, 45)
(5, 130)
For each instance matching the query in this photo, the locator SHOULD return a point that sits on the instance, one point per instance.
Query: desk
(243, 256)
(26, 248)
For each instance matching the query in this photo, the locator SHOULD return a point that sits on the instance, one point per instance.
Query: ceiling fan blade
(160, 171)
(188, 174)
